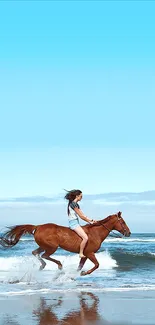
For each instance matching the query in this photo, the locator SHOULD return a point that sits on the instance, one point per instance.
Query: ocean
(120, 292)
(126, 264)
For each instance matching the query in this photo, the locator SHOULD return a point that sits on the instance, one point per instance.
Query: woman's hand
(92, 222)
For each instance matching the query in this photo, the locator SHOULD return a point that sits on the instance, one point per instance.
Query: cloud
(110, 203)
(142, 198)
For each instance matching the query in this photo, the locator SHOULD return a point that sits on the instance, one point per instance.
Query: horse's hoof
(42, 267)
(60, 267)
(83, 273)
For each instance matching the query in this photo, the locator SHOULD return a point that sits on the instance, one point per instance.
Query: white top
(72, 214)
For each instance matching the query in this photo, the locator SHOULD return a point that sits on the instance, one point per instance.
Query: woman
(74, 212)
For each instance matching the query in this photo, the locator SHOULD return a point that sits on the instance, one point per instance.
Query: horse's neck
(105, 229)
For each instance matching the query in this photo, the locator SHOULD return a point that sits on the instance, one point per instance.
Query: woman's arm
(82, 216)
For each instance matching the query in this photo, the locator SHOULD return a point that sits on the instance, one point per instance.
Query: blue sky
(47, 172)
(77, 100)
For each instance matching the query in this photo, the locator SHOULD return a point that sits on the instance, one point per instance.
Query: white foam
(49, 291)
(24, 270)
(15, 263)
(69, 262)
(128, 240)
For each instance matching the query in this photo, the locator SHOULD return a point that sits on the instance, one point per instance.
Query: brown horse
(51, 236)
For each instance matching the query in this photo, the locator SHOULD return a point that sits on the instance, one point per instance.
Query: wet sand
(79, 308)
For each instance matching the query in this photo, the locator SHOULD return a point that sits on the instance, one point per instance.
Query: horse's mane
(102, 221)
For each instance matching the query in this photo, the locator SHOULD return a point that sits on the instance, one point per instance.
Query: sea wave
(117, 257)
(68, 261)
(134, 259)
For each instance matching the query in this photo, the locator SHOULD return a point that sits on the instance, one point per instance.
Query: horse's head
(121, 226)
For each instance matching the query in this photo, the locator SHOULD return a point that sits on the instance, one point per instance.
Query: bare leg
(79, 230)
(36, 254)
(93, 259)
(47, 254)
(82, 262)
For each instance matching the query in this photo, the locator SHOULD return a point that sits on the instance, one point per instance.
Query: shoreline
(86, 288)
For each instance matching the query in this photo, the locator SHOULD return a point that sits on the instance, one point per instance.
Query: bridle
(116, 235)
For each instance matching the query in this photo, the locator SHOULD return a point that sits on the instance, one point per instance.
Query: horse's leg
(82, 262)
(93, 259)
(47, 254)
(36, 254)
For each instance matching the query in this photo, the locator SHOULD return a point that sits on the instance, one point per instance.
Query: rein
(115, 235)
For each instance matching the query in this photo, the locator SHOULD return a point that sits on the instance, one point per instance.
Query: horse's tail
(12, 237)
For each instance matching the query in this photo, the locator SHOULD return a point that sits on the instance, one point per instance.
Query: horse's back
(51, 229)
(51, 226)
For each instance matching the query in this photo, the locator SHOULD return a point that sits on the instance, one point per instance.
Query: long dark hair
(70, 196)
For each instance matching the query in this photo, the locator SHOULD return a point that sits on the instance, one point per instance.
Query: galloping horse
(51, 236)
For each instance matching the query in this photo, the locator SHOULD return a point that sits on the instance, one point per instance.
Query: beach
(78, 307)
